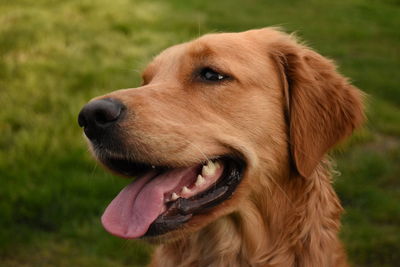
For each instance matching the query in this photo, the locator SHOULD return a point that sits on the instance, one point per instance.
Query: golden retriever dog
(226, 139)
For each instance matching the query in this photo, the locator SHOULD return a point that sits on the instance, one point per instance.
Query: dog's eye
(209, 74)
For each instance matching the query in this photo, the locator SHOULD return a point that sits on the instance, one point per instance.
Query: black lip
(125, 167)
(182, 210)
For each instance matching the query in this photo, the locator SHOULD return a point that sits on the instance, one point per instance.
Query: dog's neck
(296, 229)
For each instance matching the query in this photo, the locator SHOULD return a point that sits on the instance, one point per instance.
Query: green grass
(56, 55)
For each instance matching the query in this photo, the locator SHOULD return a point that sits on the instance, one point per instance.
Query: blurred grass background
(56, 55)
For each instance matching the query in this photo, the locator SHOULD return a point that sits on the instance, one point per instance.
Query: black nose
(97, 116)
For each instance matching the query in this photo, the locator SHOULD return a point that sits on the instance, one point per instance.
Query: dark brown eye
(211, 75)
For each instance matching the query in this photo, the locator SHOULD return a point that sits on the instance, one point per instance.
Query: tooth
(210, 168)
(186, 190)
(200, 180)
(174, 196)
(153, 167)
(217, 165)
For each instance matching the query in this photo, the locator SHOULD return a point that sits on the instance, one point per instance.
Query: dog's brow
(200, 51)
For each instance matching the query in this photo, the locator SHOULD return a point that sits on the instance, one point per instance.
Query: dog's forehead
(217, 47)
(251, 41)
(216, 44)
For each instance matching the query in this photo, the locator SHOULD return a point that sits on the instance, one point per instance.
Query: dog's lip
(127, 167)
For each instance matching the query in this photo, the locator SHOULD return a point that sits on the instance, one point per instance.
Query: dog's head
(212, 119)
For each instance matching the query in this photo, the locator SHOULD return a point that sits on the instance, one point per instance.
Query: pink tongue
(131, 213)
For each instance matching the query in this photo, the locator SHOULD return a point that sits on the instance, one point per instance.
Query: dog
(227, 139)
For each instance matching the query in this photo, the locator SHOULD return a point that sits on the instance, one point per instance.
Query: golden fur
(282, 109)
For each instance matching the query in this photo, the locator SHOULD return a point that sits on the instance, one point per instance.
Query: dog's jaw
(164, 199)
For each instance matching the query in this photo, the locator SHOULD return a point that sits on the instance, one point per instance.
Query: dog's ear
(322, 106)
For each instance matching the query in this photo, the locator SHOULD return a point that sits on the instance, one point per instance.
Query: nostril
(107, 114)
(97, 115)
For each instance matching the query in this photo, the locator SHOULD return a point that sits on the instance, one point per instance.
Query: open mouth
(162, 199)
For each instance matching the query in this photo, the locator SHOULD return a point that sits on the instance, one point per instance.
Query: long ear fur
(323, 108)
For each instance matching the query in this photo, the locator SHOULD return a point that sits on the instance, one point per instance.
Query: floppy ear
(323, 108)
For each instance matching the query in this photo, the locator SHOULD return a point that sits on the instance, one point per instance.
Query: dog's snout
(99, 115)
